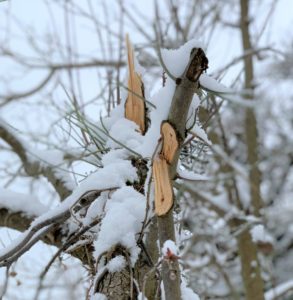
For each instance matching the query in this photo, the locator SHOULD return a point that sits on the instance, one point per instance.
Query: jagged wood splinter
(134, 105)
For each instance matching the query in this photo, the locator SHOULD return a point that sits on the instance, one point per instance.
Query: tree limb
(49, 231)
(186, 87)
(33, 169)
(18, 221)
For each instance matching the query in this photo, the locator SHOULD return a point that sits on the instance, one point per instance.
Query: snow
(140, 297)
(189, 175)
(18, 240)
(169, 246)
(279, 290)
(199, 262)
(187, 293)
(259, 234)
(116, 113)
(113, 175)
(212, 85)
(253, 264)
(126, 132)
(139, 69)
(239, 168)
(116, 264)
(113, 156)
(123, 219)
(192, 111)
(52, 158)
(218, 200)
(98, 296)
(46, 158)
(17, 202)
(49, 157)
(219, 224)
(95, 209)
(162, 100)
(199, 132)
(146, 145)
(55, 159)
(176, 60)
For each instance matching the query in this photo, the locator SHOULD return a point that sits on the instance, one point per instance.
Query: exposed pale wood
(135, 105)
(170, 141)
(163, 188)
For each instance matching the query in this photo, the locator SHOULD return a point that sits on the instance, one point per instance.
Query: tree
(173, 194)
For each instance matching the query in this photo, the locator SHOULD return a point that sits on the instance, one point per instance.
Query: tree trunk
(251, 271)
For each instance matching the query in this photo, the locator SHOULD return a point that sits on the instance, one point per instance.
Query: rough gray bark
(144, 271)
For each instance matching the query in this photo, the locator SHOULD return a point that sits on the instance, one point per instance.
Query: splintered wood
(135, 105)
(163, 187)
(170, 142)
(135, 111)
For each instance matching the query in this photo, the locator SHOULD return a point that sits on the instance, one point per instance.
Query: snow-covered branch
(33, 167)
(49, 224)
(54, 237)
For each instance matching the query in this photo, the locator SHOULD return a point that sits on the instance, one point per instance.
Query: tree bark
(186, 87)
(251, 271)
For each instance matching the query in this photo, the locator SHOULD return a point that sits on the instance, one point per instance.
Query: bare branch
(33, 169)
